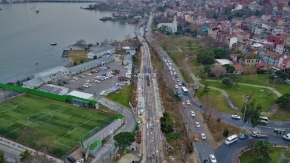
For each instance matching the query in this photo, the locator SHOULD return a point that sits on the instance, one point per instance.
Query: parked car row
(104, 76)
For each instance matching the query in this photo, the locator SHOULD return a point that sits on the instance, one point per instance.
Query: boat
(37, 11)
(53, 44)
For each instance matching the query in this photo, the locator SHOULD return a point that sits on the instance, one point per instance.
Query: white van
(231, 139)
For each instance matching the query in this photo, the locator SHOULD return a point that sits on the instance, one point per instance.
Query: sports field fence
(64, 98)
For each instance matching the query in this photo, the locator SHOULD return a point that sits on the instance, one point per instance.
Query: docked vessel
(37, 11)
(53, 44)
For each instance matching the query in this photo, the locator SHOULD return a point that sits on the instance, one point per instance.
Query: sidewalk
(108, 149)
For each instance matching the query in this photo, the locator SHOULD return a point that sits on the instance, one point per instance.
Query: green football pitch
(66, 123)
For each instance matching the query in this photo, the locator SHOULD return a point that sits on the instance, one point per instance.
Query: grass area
(78, 56)
(237, 94)
(122, 97)
(222, 105)
(249, 156)
(263, 79)
(154, 27)
(66, 123)
(281, 115)
(194, 62)
(185, 76)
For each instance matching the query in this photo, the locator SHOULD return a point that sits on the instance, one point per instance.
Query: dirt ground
(77, 56)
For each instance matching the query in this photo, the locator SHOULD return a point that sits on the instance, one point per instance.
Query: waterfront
(25, 36)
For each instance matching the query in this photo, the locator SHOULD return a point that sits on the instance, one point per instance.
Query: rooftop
(102, 49)
(51, 71)
(81, 94)
(224, 61)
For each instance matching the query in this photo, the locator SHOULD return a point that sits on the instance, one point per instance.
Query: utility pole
(247, 96)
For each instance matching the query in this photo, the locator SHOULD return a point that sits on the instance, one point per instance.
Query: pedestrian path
(108, 149)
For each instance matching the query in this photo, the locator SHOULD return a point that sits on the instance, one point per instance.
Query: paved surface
(97, 87)
(108, 149)
(10, 154)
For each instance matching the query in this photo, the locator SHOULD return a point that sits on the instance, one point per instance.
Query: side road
(108, 149)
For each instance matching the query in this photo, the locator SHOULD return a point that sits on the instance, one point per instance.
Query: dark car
(65, 82)
(244, 136)
(61, 84)
(71, 159)
(205, 161)
(183, 84)
(80, 88)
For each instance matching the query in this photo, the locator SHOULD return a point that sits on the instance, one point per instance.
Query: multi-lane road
(152, 141)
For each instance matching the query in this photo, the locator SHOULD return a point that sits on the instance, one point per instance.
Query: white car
(80, 161)
(197, 124)
(212, 158)
(75, 78)
(177, 80)
(179, 83)
(187, 102)
(86, 86)
(192, 113)
(89, 74)
(87, 81)
(97, 81)
(202, 135)
(236, 116)
(82, 76)
(286, 136)
(102, 92)
(176, 86)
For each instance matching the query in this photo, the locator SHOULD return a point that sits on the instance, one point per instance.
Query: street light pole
(247, 96)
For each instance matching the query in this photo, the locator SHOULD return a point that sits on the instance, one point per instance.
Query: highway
(152, 141)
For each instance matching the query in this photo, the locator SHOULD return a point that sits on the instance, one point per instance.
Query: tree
(173, 136)
(284, 101)
(262, 150)
(206, 69)
(220, 53)
(75, 63)
(218, 71)
(249, 70)
(226, 132)
(205, 89)
(124, 139)
(205, 56)
(166, 123)
(253, 112)
(2, 157)
(81, 43)
(24, 155)
(229, 68)
(227, 81)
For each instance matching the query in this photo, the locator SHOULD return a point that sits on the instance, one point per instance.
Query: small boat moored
(37, 11)
(53, 44)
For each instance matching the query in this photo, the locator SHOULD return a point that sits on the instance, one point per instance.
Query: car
(102, 92)
(177, 80)
(235, 116)
(244, 136)
(87, 81)
(97, 81)
(61, 84)
(202, 135)
(195, 137)
(286, 136)
(65, 82)
(82, 76)
(212, 158)
(188, 102)
(71, 159)
(197, 124)
(183, 84)
(179, 83)
(75, 78)
(192, 113)
(81, 161)
(80, 88)
(205, 161)
(89, 74)
(176, 86)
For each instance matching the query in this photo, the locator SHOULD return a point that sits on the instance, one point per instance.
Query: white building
(223, 62)
(233, 40)
(280, 48)
(50, 75)
(53, 74)
(81, 95)
(170, 27)
(101, 51)
(54, 89)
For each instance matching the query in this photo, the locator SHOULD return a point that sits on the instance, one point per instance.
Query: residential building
(280, 48)
(101, 51)
(272, 58)
(238, 68)
(251, 59)
(33, 83)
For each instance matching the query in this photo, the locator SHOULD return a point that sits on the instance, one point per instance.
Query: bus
(184, 90)
(264, 120)
(231, 139)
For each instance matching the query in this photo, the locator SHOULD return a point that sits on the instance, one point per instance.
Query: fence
(21, 147)
(64, 98)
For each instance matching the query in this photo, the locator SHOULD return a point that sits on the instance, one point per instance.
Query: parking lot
(103, 83)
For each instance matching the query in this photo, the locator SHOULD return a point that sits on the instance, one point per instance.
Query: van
(231, 139)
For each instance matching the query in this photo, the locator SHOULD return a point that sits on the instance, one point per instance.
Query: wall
(21, 147)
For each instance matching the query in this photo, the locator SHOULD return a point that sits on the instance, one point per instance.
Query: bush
(285, 160)
(226, 133)
(287, 153)
(218, 119)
